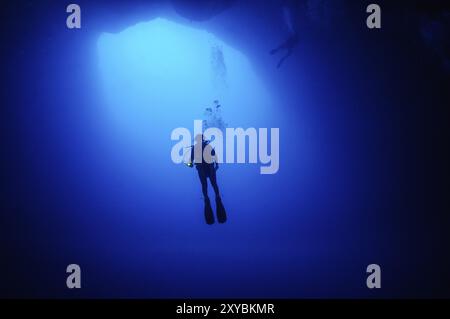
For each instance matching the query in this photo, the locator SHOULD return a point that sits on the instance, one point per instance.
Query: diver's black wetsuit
(206, 170)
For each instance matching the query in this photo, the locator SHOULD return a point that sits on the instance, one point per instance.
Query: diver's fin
(209, 216)
(220, 211)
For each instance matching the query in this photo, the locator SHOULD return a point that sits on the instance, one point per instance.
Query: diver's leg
(202, 176)
(278, 48)
(213, 179)
(220, 210)
(289, 52)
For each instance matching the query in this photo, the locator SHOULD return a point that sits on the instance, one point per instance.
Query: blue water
(281, 240)
(149, 90)
(94, 184)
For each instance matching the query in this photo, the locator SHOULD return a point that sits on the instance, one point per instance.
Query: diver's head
(199, 138)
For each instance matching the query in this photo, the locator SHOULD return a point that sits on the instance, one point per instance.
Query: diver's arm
(214, 157)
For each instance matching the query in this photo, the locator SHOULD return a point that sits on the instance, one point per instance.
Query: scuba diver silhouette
(292, 41)
(205, 162)
(287, 46)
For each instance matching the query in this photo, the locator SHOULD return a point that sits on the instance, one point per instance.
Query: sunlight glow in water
(159, 75)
